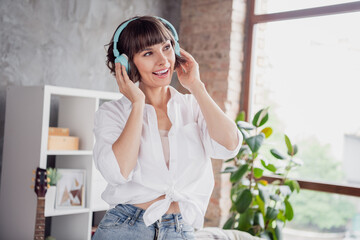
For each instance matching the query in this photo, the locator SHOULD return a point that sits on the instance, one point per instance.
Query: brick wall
(212, 31)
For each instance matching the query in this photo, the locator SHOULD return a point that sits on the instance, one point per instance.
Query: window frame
(251, 20)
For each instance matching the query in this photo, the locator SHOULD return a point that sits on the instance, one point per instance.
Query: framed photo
(70, 189)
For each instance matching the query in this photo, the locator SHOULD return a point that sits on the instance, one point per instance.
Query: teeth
(161, 72)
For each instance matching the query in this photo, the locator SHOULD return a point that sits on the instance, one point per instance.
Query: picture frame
(70, 189)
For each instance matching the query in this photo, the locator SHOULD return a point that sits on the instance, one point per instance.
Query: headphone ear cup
(123, 60)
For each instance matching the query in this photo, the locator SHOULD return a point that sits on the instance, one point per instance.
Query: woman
(153, 146)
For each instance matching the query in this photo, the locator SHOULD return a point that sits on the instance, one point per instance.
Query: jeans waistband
(136, 214)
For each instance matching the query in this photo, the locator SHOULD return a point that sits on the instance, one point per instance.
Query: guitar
(41, 186)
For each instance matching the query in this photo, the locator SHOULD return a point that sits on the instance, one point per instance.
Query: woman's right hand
(126, 86)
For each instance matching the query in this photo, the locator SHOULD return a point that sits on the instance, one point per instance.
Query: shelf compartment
(60, 212)
(71, 153)
(72, 226)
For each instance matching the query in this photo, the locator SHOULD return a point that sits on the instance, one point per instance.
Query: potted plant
(259, 207)
(52, 177)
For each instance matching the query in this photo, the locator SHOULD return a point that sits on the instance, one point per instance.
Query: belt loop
(177, 223)
(135, 217)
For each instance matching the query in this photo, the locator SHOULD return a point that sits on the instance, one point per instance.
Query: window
(304, 64)
(273, 6)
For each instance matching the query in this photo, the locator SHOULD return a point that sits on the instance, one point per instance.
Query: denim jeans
(125, 221)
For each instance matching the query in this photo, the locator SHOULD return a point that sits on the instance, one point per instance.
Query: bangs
(146, 33)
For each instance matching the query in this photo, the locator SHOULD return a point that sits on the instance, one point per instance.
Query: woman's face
(156, 64)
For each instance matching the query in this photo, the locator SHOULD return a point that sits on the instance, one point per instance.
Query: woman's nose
(162, 59)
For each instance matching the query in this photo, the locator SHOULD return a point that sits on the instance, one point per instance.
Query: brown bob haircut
(139, 34)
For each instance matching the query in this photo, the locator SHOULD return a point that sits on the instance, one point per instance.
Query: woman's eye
(167, 47)
(147, 54)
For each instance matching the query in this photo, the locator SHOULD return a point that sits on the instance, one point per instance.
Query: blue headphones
(123, 59)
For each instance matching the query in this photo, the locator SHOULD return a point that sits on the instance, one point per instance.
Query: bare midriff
(174, 206)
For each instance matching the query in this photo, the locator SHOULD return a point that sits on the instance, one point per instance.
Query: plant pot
(50, 199)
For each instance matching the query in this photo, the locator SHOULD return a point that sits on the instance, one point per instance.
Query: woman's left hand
(188, 73)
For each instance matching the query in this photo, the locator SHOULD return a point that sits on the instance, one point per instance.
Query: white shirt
(189, 179)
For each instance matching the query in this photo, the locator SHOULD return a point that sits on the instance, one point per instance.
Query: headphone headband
(123, 26)
(117, 35)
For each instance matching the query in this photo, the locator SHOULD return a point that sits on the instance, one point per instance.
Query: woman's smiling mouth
(162, 73)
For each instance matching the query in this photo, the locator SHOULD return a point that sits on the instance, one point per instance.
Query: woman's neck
(157, 97)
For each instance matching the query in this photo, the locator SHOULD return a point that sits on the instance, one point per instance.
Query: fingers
(179, 71)
(124, 73)
(190, 61)
(121, 74)
(118, 74)
(187, 55)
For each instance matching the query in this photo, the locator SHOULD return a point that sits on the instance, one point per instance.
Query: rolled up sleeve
(108, 126)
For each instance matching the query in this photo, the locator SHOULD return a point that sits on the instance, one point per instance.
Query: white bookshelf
(27, 122)
(78, 152)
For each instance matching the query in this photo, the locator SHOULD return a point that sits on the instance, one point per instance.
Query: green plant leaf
(236, 176)
(281, 216)
(232, 191)
(278, 233)
(259, 220)
(229, 223)
(296, 186)
(53, 175)
(245, 125)
(277, 154)
(288, 145)
(289, 213)
(244, 201)
(258, 172)
(261, 117)
(290, 184)
(255, 142)
(246, 220)
(271, 213)
(295, 149)
(261, 204)
(293, 184)
(269, 167)
(240, 116)
(236, 191)
(263, 163)
(264, 194)
(229, 169)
